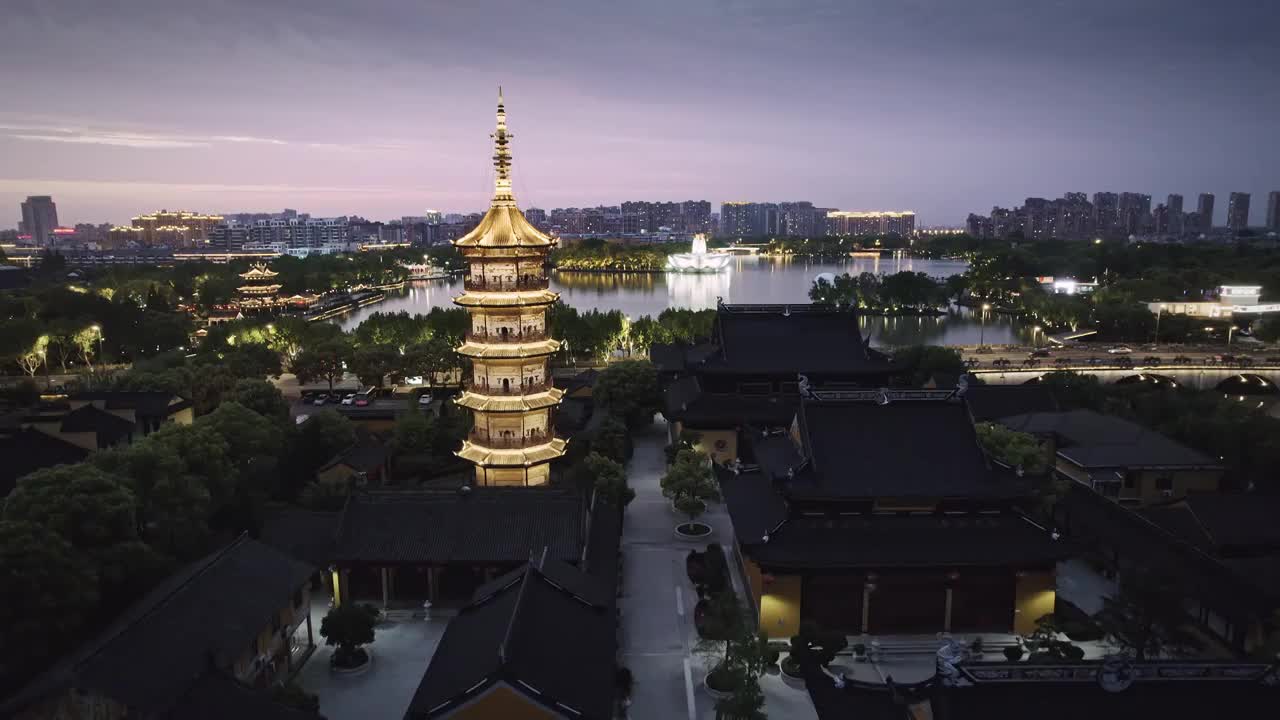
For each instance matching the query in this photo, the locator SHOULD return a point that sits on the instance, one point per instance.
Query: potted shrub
(349, 627)
(975, 647)
(723, 680)
(791, 675)
(1013, 653)
(689, 485)
(695, 566)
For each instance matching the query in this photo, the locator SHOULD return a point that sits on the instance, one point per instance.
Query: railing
(505, 285)
(523, 389)
(507, 442)
(508, 337)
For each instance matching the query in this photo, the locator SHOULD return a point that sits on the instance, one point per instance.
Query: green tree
(81, 503)
(1146, 616)
(349, 626)
(689, 484)
(206, 455)
(611, 439)
(1075, 391)
(173, 507)
(372, 364)
(47, 593)
(430, 360)
(926, 360)
(413, 433)
(629, 389)
(263, 398)
(324, 362)
(609, 479)
(1013, 448)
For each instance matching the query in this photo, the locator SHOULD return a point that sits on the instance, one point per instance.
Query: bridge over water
(1229, 379)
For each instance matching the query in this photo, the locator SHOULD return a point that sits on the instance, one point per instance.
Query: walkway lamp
(982, 333)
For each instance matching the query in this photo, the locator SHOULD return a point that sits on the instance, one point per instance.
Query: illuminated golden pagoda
(259, 289)
(510, 392)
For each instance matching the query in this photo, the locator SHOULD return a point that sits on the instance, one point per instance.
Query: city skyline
(373, 112)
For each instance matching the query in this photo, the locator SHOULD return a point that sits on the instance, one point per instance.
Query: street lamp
(982, 333)
(98, 330)
(1035, 336)
(1159, 312)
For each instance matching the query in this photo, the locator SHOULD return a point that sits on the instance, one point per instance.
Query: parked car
(321, 399)
(424, 399)
(1120, 350)
(362, 401)
(349, 398)
(1041, 353)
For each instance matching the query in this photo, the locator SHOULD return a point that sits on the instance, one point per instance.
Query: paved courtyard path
(658, 638)
(401, 650)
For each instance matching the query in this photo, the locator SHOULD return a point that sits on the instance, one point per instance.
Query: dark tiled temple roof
(108, 427)
(991, 402)
(546, 630)
(685, 401)
(491, 526)
(1088, 517)
(26, 451)
(218, 696)
(783, 339)
(1094, 440)
(365, 456)
(754, 504)
(900, 449)
(204, 615)
(154, 403)
(892, 540)
(1223, 524)
(307, 535)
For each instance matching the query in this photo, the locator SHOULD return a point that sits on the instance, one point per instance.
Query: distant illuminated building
(873, 222)
(173, 228)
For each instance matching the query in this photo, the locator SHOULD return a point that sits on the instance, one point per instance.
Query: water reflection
(749, 279)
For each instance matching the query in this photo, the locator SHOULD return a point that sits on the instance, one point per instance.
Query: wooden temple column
(946, 618)
(386, 588)
(868, 586)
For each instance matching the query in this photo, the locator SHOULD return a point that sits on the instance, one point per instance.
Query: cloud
(164, 141)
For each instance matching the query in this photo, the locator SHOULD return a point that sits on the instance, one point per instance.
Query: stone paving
(401, 653)
(658, 638)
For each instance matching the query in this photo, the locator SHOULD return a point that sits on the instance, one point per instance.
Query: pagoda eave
(508, 351)
(518, 403)
(489, 457)
(506, 299)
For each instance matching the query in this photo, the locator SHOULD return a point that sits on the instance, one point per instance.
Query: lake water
(749, 279)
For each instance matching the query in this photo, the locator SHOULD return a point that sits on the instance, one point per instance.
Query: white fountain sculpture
(698, 261)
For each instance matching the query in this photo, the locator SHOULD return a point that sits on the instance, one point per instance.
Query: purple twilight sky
(383, 107)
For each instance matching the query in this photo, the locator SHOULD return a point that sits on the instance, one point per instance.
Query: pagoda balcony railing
(512, 441)
(505, 285)
(493, 336)
(523, 389)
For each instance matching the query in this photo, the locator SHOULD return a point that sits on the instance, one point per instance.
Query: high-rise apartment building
(1238, 211)
(1106, 213)
(536, 217)
(1134, 213)
(1273, 211)
(1204, 212)
(39, 219)
(739, 219)
(1174, 205)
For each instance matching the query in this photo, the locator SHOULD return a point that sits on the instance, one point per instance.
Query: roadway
(1091, 356)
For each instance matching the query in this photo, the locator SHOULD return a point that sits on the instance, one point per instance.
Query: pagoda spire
(502, 195)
